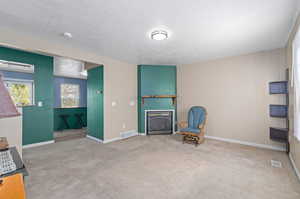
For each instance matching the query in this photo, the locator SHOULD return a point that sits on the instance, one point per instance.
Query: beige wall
(120, 86)
(235, 92)
(120, 78)
(294, 143)
(11, 128)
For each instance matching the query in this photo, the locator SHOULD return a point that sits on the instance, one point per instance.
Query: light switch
(114, 104)
(40, 104)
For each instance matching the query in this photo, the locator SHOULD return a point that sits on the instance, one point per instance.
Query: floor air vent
(276, 164)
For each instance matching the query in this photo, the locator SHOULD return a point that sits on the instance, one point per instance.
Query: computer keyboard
(7, 163)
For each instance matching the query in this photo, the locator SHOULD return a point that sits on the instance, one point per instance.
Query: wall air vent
(16, 66)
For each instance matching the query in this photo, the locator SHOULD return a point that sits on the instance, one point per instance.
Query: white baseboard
(95, 139)
(294, 166)
(247, 143)
(37, 144)
(112, 140)
(127, 133)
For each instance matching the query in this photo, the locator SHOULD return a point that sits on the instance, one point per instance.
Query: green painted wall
(72, 120)
(95, 102)
(37, 121)
(155, 80)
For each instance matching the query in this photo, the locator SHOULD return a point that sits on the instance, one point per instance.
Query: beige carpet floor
(157, 167)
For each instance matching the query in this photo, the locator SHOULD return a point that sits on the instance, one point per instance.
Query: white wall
(235, 92)
(11, 128)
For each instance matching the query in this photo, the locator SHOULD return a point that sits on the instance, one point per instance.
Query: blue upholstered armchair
(194, 128)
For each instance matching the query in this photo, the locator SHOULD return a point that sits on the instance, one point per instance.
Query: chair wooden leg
(197, 141)
(201, 139)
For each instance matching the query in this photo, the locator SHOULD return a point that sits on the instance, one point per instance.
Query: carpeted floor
(69, 134)
(157, 167)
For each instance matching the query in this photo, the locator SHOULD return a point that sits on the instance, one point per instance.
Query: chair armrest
(182, 124)
(201, 126)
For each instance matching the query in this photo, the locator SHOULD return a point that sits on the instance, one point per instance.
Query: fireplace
(159, 122)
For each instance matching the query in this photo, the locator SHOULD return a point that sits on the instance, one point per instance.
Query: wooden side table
(12, 187)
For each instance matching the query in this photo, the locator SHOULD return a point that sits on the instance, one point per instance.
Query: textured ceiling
(200, 29)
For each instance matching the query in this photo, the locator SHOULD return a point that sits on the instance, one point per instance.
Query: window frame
(22, 81)
(295, 84)
(61, 95)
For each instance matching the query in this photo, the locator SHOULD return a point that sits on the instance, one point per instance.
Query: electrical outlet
(124, 125)
(132, 103)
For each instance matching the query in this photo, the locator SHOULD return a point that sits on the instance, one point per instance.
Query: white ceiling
(200, 29)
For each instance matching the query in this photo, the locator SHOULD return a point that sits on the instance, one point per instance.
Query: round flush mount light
(159, 35)
(67, 35)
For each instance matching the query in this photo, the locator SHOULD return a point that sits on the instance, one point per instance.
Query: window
(21, 91)
(70, 95)
(296, 84)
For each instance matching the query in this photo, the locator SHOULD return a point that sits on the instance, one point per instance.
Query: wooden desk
(12, 187)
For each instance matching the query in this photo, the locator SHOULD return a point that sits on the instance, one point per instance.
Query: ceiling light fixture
(159, 35)
(67, 35)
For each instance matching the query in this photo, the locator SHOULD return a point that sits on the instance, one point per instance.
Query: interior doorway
(70, 99)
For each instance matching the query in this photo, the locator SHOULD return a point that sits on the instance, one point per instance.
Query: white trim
(297, 172)
(18, 80)
(246, 143)
(167, 110)
(128, 134)
(95, 139)
(121, 138)
(112, 140)
(37, 144)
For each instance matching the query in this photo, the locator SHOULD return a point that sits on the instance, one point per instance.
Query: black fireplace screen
(159, 122)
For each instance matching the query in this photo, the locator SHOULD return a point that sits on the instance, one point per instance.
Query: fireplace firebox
(159, 122)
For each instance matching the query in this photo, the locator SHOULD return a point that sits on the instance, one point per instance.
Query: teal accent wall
(155, 80)
(72, 120)
(37, 121)
(95, 102)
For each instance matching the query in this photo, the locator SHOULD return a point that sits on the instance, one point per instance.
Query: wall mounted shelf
(173, 97)
(278, 87)
(280, 111)
(277, 110)
(279, 134)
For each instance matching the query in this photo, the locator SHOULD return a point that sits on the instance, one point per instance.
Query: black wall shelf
(280, 111)
(279, 134)
(279, 87)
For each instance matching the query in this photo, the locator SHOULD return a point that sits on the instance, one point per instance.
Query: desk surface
(12, 187)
